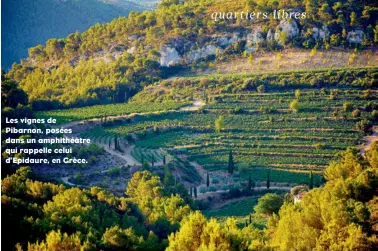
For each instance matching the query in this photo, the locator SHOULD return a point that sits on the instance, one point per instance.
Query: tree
(268, 204)
(353, 19)
(145, 166)
(195, 192)
(168, 178)
(268, 179)
(364, 125)
(219, 124)
(251, 59)
(230, 163)
(261, 89)
(311, 181)
(294, 106)
(164, 159)
(243, 167)
(249, 182)
(152, 160)
(284, 38)
(372, 155)
(347, 106)
(55, 241)
(115, 237)
(207, 180)
(297, 94)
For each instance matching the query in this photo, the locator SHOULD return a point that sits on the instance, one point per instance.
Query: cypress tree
(164, 161)
(246, 223)
(311, 181)
(230, 163)
(152, 160)
(195, 192)
(191, 192)
(250, 218)
(249, 182)
(207, 180)
(268, 179)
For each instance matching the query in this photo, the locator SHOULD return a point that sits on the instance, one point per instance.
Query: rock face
(289, 26)
(356, 36)
(169, 56)
(225, 40)
(131, 50)
(270, 35)
(203, 52)
(320, 33)
(255, 37)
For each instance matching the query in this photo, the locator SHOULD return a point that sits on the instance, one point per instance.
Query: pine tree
(311, 181)
(268, 179)
(230, 163)
(207, 180)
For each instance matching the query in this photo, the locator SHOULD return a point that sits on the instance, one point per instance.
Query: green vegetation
(244, 135)
(70, 218)
(262, 134)
(102, 111)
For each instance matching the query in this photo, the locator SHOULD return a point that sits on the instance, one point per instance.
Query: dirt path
(125, 155)
(197, 104)
(369, 140)
(65, 181)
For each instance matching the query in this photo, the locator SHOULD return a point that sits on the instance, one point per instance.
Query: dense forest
(156, 214)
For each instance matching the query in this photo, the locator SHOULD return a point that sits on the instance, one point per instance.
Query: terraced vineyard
(261, 131)
(145, 154)
(98, 111)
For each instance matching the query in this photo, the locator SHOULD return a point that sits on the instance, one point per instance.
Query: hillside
(29, 23)
(182, 36)
(184, 133)
(147, 3)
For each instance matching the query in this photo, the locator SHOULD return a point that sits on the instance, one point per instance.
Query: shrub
(364, 125)
(214, 181)
(234, 193)
(294, 105)
(261, 89)
(347, 106)
(203, 190)
(374, 115)
(212, 189)
(356, 113)
(268, 204)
